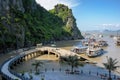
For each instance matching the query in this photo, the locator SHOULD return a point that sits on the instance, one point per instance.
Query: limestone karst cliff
(24, 23)
(68, 19)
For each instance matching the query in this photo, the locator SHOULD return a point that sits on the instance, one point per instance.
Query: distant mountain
(111, 30)
(105, 32)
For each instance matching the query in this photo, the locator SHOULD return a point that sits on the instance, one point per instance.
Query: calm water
(111, 51)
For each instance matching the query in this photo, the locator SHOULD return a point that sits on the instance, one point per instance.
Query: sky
(91, 14)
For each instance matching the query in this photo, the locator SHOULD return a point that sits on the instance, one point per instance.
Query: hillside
(25, 23)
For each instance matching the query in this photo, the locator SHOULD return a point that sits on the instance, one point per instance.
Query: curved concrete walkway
(5, 70)
(57, 51)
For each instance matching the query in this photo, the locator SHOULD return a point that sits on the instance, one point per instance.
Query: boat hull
(94, 53)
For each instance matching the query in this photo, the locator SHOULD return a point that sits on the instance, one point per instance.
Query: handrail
(12, 75)
(6, 72)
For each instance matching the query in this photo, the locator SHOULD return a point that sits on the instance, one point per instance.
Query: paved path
(58, 51)
(5, 70)
(61, 52)
(5, 67)
(63, 76)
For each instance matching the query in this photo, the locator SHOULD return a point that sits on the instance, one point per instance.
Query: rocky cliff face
(5, 5)
(24, 23)
(69, 21)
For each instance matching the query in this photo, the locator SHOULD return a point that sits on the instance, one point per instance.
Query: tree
(110, 65)
(73, 61)
(37, 64)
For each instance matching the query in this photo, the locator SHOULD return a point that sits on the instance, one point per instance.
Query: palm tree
(110, 65)
(37, 64)
(73, 61)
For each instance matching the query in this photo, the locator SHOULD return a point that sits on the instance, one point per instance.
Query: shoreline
(51, 63)
(61, 44)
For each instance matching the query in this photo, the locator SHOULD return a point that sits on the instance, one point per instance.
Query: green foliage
(64, 13)
(42, 79)
(17, 19)
(72, 61)
(37, 64)
(22, 73)
(34, 25)
(3, 17)
(111, 65)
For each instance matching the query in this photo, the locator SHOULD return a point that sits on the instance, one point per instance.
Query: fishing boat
(118, 41)
(79, 49)
(85, 43)
(102, 43)
(100, 36)
(88, 41)
(93, 51)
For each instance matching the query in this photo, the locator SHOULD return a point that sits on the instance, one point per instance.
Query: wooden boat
(94, 52)
(88, 41)
(118, 41)
(79, 49)
(102, 43)
(100, 36)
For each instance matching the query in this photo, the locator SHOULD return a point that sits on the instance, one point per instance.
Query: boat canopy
(80, 47)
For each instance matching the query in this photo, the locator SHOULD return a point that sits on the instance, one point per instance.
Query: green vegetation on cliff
(68, 20)
(25, 23)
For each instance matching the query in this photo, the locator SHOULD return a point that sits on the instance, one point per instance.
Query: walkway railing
(9, 74)
(101, 75)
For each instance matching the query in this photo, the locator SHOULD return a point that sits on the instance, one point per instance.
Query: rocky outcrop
(24, 23)
(69, 21)
(5, 5)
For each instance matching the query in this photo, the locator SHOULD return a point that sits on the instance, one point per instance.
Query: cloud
(49, 4)
(117, 25)
(111, 25)
(108, 26)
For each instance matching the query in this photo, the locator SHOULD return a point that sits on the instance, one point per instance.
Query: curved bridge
(6, 68)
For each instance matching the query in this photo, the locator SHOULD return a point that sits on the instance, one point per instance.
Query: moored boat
(79, 49)
(118, 41)
(100, 36)
(102, 43)
(94, 52)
